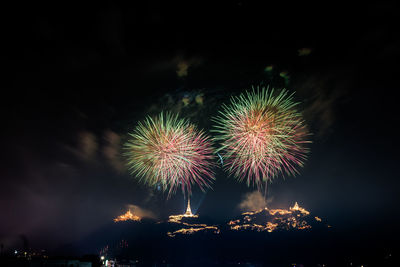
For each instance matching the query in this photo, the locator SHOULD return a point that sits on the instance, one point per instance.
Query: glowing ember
(128, 216)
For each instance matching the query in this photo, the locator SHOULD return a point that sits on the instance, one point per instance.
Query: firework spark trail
(170, 152)
(262, 135)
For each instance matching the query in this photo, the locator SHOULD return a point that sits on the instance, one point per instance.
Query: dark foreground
(146, 244)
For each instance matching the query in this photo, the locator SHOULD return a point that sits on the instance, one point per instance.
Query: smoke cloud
(143, 213)
(111, 150)
(253, 201)
(323, 93)
(87, 145)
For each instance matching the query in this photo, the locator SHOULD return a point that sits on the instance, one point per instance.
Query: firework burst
(262, 135)
(170, 152)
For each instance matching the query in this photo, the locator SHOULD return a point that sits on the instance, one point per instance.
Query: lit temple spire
(188, 212)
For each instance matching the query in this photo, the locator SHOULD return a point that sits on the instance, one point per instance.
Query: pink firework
(170, 152)
(261, 136)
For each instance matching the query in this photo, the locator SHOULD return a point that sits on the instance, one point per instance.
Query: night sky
(77, 79)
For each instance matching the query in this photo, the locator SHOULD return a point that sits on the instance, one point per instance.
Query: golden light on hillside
(273, 212)
(296, 207)
(178, 218)
(285, 219)
(263, 220)
(269, 227)
(128, 216)
(189, 228)
(192, 230)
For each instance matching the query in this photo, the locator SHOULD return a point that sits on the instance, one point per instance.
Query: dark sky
(76, 79)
